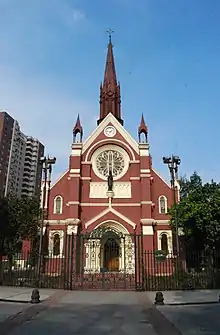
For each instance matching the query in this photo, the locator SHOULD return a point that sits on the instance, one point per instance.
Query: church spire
(110, 99)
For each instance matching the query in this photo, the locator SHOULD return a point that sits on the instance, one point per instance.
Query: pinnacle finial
(110, 31)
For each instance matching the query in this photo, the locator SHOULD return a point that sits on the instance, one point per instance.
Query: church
(110, 193)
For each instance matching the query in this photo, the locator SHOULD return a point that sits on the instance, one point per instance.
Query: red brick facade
(79, 202)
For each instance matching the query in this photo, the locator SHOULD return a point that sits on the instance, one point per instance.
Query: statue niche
(110, 181)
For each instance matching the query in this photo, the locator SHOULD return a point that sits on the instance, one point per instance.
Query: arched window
(164, 243)
(58, 204)
(56, 245)
(162, 204)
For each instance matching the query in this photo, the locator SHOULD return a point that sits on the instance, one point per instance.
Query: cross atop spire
(110, 31)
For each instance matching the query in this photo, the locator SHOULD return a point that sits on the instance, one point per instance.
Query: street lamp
(173, 162)
(46, 163)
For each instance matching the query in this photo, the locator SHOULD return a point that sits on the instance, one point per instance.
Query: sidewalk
(15, 306)
(22, 294)
(187, 297)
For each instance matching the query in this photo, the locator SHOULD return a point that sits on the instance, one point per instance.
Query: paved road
(194, 320)
(8, 310)
(83, 313)
(97, 313)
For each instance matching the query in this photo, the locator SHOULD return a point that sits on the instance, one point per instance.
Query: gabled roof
(112, 120)
(110, 210)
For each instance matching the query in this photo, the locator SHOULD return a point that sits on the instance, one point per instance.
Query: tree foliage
(198, 212)
(19, 220)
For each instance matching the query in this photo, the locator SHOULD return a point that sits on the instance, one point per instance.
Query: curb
(15, 301)
(192, 303)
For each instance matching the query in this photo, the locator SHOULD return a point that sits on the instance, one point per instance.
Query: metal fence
(91, 263)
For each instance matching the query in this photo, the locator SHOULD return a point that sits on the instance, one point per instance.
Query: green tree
(198, 213)
(20, 222)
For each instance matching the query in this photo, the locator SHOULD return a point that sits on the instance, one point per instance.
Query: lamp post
(47, 163)
(173, 162)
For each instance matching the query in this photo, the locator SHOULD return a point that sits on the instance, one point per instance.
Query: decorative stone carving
(52, 233)
(98, 190)
(71, 229)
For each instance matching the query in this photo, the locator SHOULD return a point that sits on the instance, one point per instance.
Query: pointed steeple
(110, 98)
(142, 129)
(77, 129)
(110, 73)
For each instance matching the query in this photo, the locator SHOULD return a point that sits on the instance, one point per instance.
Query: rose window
(110, 160)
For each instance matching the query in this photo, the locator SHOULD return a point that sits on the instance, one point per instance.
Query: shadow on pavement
(194, 319)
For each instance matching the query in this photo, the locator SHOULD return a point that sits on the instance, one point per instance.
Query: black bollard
(159, 299)
(35, 296)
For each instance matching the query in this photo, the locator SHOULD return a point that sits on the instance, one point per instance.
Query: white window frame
(54, 205)
(52, 233)
(165, 199)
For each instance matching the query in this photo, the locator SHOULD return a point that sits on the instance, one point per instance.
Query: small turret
(77, 130)
(142, 129)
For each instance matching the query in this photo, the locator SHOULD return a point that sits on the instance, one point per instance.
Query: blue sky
(167, 59)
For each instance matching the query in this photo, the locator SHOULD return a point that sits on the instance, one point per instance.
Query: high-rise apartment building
(16, 162)
(31, 184)
(20, 168)
(6, 135)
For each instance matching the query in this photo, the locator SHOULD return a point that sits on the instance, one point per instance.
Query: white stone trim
(151, 221)
(98, 190)
(111, 210)
(74, 170)
(50, 247)
(55, 222)
(76, 152)
(86, 163)
(72, 229)
(86, 178)
(135, 178)
(54, 204)
(62, 222)
(143, 145)
(115, 142)
(168, 233)
(114, 224)
(110, 147)
(74, 176)
(72, 203)
(147, 230)
(105, 204)
(110, 119)
(72, 220)
(143, 175)
(145, 171)
(162, 222)
(144, 152)
(159, 199)
(146, 202)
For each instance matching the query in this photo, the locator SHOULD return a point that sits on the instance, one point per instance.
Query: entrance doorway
(111, 255)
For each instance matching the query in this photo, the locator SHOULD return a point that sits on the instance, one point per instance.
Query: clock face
(110, 131)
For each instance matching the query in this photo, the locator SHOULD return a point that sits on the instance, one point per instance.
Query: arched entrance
(111, 254)
(109, 249)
